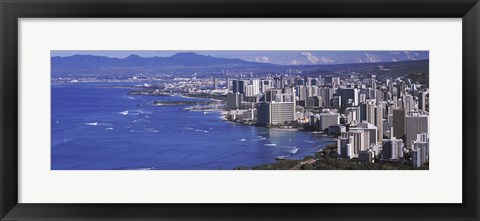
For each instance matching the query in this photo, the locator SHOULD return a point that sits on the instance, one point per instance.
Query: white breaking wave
(151, 130)
(294, 150)
(136, 111)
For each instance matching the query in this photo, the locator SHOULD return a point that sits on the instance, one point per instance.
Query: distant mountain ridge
(187, 63)
(179, 59)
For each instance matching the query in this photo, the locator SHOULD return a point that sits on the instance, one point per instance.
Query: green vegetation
(207, 95)
(280, 165)
(158, 102)
(326, 160)
(421, 78)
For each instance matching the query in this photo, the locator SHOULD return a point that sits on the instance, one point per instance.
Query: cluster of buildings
(373, 119)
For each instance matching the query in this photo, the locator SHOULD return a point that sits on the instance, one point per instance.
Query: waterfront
(96, 126)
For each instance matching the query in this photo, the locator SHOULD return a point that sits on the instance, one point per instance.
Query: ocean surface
(96, 126)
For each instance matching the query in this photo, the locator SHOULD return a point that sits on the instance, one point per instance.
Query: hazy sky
(276, 57)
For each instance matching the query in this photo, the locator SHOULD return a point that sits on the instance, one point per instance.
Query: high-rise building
(413, 90)
(362, 98)
(387, 82)
(310, 91)
(307, 81)
(353, 115)
(239, 86)
(335, 81)
(358, 143)
(373, 82)
(314, 91)
(348, 95)
(215, 83)
(286, 97)
(328, 80)
(415, 123)
(275, 113)
(263, 113)
(227, 83)
(395, 102)
(270, 95)
(372, 132)
(423, 137)
(408, 103)
(287, 90)
(367, 111)
(329, 119)
(345, 147)
(366, 156)
(234, 101)
(251, 99)
(399, 123)
(421, 101)
(402, 87)
(278, 82)
(256, 86)
(314, 82)
(379, 121)
(416, 157)
(249, 90)
(421, 155)
(420, 150)
(313, 102)
(379, 95)
(299, 81)
(392, 149)
(265, 85)
(302, 92)
(336, 101)
(326, 95)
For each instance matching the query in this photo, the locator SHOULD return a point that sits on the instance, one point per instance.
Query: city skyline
(196, 112)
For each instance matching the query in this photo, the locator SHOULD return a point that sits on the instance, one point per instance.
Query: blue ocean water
(99, 127)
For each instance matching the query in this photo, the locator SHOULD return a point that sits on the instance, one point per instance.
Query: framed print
(239, 110)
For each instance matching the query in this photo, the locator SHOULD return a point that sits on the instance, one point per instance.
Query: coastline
(185, 96)
(285, 129)
(223, 113)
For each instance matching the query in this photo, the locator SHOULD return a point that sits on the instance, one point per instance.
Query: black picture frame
(12, 10)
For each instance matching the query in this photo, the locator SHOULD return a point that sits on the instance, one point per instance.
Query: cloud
(263, 59)
(410, 56)
(315, 60)
(358, 60)
(394, 60)
(294, 62)
(326, 59)
(310, 57)
(372, 57)
(394, 52)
